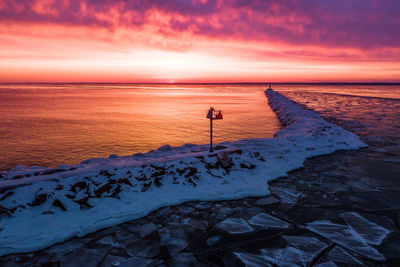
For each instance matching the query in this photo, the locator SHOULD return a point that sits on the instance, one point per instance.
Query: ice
(213, 240)
(288, 256)
(266, 201)
(112, 260)
(286, 195)
(108, 241)
(372, 233)
(102, 192)
(309, 245)
(252, 260)
(341, 256)
(326, 264)
(196, 223)
(346, 237)
(267, 221)
(141, 247)
(174, 238)
(142, 230)
(83, 257)
(185, 259)
(235, 226)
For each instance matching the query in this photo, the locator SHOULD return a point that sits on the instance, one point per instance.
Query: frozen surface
(252, 260)
(341, 256)
(235, 226)
(76, 200)
(267, 221)
(345, 236)
(372, 233)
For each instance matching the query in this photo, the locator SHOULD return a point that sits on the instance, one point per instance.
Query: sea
(52, 124)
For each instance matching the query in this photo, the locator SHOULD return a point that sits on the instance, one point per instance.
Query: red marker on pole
(212, 115)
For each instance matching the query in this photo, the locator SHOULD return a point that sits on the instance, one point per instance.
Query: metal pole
(211, 146)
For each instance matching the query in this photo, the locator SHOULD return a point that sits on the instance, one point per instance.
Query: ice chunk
(267, 221)
(141, 248)
(341, 256)
(346, 237)
(289, 256)
(372, 233)
(196, 223)
(213, 240)
(83, 257)
(252, 260)
(326, 264)
(266, 201)
(174, 238)
(286, 195)
(112, 260)
(235, 226)
(142, 230)
(185, 259)
(309, 245)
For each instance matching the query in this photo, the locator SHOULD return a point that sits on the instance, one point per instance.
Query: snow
(48, 206)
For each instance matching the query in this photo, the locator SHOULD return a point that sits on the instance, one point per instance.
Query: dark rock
(236, 151)
(247, 165)
(59, 187)
(124, 181)
(83, 202)
(39, 199)
(81, 185)
(157, 181)
(191, 181)
(6, 195)
(4, 211)
(116, 190)
(223, 157)
(59, 204)
(146, 186)
(105, 188)
(192, 171)
(106, 173)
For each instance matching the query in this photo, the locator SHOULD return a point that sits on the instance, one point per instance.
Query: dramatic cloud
(247, 31)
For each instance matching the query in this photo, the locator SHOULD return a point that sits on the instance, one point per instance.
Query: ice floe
(235, 226)
(267, 221)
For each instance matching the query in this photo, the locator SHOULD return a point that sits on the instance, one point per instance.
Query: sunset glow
(199, 41)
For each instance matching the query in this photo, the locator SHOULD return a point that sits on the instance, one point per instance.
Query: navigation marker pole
(212, 115)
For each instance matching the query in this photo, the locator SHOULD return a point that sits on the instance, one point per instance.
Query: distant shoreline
(214, 83)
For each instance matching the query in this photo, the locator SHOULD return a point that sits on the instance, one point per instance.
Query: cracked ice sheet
(267, 221)
(288, 256)
(306, 135)
(372, 233)
(346, 237)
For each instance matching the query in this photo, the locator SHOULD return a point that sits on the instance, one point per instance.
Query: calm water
(48, 125)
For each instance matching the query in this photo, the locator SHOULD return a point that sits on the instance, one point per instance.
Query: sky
(199, 41)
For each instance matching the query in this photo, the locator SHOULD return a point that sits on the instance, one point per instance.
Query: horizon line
(211, 83)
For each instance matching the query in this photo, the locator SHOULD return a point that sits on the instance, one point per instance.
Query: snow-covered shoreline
(57, 204)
